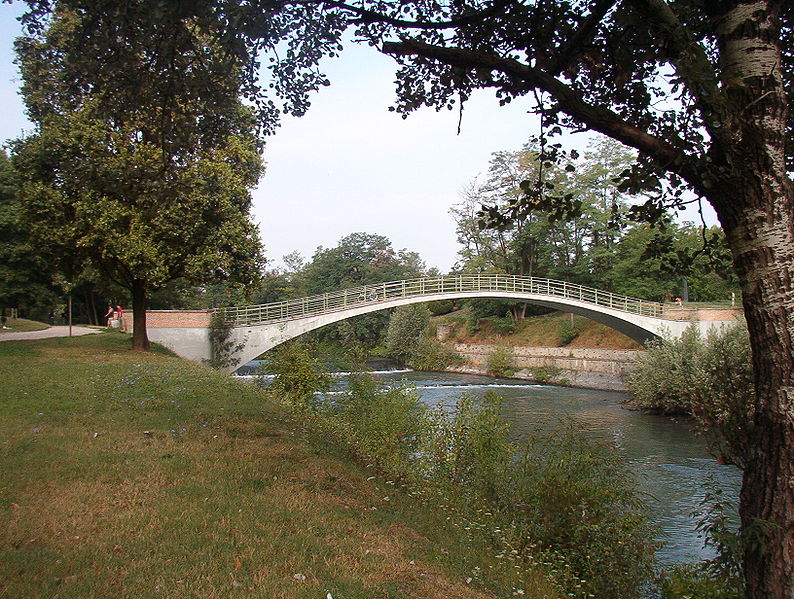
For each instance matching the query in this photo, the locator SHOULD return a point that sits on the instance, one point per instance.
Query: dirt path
(56, 331)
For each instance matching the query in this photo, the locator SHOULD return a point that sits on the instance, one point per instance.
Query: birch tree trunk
(755, 203)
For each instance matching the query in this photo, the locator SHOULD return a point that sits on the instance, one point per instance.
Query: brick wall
(166, 319)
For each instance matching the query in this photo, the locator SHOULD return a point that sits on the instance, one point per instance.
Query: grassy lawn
(23, 324)
(142, 475)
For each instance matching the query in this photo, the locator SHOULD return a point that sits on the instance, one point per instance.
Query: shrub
(718, 578)
(710, 379)
(468, 449)
(440, 307)
(431, 354)
(575, 497)
(407, 326)
(501, 361)
(562, 503)
(298, 375)
(567, 331)
(222, 349)
(383, 424)
(545, 374)
(502, 325)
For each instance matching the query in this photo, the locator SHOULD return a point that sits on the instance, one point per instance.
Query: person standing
(109, 315)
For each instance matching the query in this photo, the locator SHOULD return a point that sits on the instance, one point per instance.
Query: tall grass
(560, 504)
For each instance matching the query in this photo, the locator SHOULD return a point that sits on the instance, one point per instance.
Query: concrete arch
(254, 340)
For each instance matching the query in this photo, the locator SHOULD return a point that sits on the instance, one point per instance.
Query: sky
(349, 165)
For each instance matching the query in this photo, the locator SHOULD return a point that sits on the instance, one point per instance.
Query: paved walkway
(56, 331)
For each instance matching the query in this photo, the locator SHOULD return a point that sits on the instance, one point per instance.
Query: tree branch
(598, 118)
(567, 51)
(689, 59)
(371, 16)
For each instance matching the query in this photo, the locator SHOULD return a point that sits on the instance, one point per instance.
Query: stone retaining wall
(592, 368)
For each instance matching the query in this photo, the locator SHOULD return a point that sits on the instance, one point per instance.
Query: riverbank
(127, 474)
(557, 348)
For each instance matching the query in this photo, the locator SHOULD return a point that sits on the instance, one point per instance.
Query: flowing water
(671, 465)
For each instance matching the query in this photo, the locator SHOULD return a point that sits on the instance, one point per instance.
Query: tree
(358, 259)
(144, 187)
(723, 74)
(407, 326)
(700, 89)
(25, 276)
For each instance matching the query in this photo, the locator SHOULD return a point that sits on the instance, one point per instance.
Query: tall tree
(701, 90)
(25, 275)
(140, 168)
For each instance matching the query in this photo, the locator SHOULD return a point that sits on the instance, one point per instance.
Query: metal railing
(383, 292)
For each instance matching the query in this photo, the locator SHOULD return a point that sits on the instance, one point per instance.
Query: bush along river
(670, 464)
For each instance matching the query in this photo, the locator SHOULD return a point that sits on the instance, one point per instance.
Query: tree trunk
(755, 204)
(762, 240)
(140, 341)
(93, 318)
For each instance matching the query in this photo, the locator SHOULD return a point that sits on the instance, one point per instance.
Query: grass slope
(141, 475)
(24, 325)
(539, 331)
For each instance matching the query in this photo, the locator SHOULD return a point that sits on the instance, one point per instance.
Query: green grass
(125, 474)
(23, 324)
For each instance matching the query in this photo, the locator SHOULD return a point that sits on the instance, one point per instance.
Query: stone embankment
(590, 368)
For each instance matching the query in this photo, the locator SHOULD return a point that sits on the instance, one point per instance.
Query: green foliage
(501, 361)
(297, 374)
(562, 503)
(468, 449)
(222, 348)
(440, 307)
(709, 378)
(382, 424)
(502, 325)
(545, 374)
(574, 497)
(141, 173)
(718, 578)
(25, 275)
(407, 326)
(357, 259)
(568, 332)
(432, 354)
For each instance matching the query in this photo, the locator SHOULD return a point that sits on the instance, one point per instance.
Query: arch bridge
(256, 329)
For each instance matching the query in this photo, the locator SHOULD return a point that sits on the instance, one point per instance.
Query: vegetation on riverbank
(561, 503)
(141, 475)
(709, 377)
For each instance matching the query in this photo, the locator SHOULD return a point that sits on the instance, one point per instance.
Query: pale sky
(350, 165)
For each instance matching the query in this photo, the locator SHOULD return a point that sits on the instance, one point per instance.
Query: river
(671, 465)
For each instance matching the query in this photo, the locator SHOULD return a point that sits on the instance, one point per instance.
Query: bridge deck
(385, 292)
